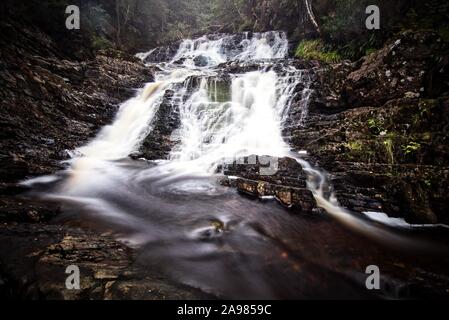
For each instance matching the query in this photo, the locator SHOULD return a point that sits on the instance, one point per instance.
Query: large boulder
(280, 178)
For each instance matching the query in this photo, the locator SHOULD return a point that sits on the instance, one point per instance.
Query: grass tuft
(315, 50)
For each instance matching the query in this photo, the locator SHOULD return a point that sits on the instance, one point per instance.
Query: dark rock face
(379, 127)
(159, 143)
(50, 104)
(163, 54)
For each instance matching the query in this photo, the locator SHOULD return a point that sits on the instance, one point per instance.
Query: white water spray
(212, 52)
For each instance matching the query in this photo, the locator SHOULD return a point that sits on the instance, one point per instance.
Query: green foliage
(368, 51)
(411, 148)
(375, 126)
(389, 148)
(139, 24)
(429, 15)
(354, 145)
(343, 27)
(315, 50)
(101, 43)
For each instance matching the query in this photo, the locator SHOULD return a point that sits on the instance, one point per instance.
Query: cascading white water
(288, 92)
(176, 214)
(249, 120)
(133, 121)
(257, 46)
(246, 124)
(220, 119)
(185, 226)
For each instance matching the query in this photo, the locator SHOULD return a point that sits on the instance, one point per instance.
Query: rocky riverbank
(379, 128)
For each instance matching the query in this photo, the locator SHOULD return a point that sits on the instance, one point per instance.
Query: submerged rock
(201, 61)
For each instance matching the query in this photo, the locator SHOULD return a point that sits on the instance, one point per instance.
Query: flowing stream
(187, 226)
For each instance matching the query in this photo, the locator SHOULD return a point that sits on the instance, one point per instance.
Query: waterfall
(223, 117)
(132, 122)
(211, 50)
(233, 96)
(246, 124)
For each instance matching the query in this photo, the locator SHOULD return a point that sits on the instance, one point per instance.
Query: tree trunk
(311, 15)
(117, 13)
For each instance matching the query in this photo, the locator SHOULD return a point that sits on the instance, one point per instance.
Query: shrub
(101, 43)
(315, 50)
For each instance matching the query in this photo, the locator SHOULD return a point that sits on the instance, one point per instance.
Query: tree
(309, 10)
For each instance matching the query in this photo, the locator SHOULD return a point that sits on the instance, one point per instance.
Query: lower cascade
(231, 96)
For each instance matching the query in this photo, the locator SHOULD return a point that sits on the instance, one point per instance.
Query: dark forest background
(137, 25)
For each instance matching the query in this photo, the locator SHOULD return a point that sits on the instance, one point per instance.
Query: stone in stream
(287, 185)
(201, 61)
(160, 141)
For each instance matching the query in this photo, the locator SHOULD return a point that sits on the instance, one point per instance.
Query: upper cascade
(214, 49)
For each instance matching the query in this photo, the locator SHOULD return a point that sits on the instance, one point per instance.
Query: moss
(389, 148)
(427, 106)
(411, 148)
(368, 51)
(354, 145)
(315, 50)
(427, 136)
(423, 115)
(360, 151)
(101, 43)
(427, 182)
(375, 126)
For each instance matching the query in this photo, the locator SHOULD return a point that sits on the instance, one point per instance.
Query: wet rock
(247, 187)
(35, 257)
(237, 67)
(379, 131)
(161, 140)
(287, 184)
(13, 209)
(50, 103)
(162, 54)
(405, 58)
(201, 61)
